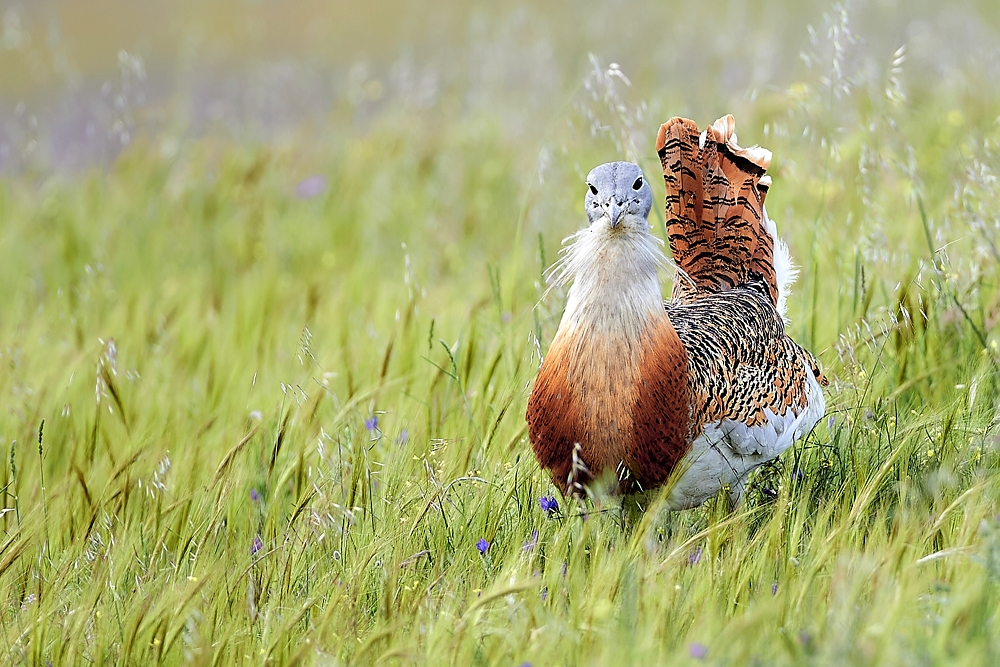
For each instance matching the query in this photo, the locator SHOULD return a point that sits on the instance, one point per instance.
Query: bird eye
(637, 184)
(593, 190)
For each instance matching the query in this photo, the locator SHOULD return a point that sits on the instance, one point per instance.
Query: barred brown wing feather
(743, 368)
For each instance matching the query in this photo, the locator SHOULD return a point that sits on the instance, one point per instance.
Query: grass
(243, 427)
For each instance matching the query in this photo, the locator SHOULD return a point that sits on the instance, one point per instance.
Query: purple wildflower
(532, 543)
(549, 504)
(545, 594)
(694, 557)
(564, 568)
(770, 494)
(798, 474)
(698, 650)
(257, 545)
(831, 422)
(313, 186)
(482, 545)
(404, 435)
(254, 495)
(371, 423)
(774, 588)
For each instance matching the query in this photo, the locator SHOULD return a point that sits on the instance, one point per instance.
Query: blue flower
(549, 504)
(313, 186)
(482, 545)
(698, 650)
(532, 543)
(694, 557)
(254, 495)
(404, 435)
(371, 423)
(257, 545)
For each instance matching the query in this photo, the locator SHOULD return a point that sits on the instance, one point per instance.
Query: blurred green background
(272, 300)
(71, 70)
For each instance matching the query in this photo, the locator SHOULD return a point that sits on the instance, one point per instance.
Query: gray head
(619, 192)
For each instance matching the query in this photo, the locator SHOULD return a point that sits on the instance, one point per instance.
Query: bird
(695, 391)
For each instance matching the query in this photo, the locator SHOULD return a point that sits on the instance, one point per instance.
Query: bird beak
(614, 213)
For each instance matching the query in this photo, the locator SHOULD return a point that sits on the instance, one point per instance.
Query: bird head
(618, 193)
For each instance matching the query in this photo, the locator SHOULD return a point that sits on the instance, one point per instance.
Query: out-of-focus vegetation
(271, 302)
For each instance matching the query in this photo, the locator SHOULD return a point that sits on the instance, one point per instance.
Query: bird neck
(616, 285)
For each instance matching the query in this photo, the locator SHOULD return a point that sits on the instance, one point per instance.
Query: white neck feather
(615, 276)
(785, 271)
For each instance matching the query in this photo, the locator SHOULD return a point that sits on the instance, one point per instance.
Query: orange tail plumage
(718, 232)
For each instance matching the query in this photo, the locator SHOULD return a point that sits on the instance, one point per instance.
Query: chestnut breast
(624, 400)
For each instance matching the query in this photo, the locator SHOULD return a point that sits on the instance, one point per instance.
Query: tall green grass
(242, 427)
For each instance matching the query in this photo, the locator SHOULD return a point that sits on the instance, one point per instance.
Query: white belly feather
(728, 451)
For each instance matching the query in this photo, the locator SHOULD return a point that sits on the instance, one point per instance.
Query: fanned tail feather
(719, 234)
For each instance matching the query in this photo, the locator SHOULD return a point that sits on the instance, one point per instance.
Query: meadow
(263, 399)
